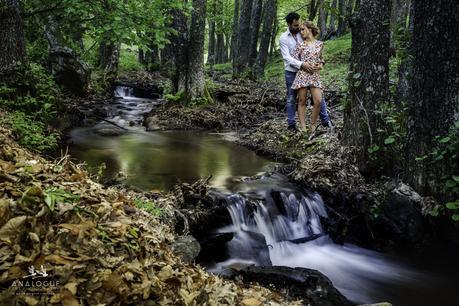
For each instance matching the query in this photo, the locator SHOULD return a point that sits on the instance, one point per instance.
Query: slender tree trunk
(434, 93)
(322, 19)
(243, 48)
(195, 79)
(12, 46)
(254, 29)
(274, 34)
(269, 16)
(369, 79)
(141, 56)
(234, 38)
(219, 29)
(112, 59)
(52, 33)
(313, 6)
(341, 18)
(406, 66)
(179, 50)
(220, 48)
(331, 27)
(211, 21)
(349, 8)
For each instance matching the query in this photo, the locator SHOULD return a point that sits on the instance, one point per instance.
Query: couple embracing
(302, 54)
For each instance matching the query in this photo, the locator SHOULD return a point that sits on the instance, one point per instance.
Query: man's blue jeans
(291, 102)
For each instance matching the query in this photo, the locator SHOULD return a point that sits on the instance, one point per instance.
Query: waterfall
(284, 228)
(123, 92)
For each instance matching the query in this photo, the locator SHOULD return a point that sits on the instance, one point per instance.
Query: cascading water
(284, 229)
(123, 92)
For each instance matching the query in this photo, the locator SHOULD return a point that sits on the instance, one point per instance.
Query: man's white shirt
(287, 44)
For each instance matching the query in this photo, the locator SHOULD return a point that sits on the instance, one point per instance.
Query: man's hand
(311, 67)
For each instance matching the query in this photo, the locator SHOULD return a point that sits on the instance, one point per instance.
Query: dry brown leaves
(100, 252)
(321, 163)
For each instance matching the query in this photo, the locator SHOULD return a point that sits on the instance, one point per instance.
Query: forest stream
(284, 228)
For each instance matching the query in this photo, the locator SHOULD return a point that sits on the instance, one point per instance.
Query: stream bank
(322, 164)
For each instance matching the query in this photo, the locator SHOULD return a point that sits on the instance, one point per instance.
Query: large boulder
(307, 284)
(402, 215)
(68, 70)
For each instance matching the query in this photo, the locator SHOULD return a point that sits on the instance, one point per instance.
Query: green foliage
(54, 195)
(33, 91)
(148, 206)
(31, 133)
(178, 97)
(446, 151)
(274, 69)
(389, 139)
(225, 68)
(128, 60)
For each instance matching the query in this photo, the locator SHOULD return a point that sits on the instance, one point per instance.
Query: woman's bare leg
(302, 96)
(316, 94)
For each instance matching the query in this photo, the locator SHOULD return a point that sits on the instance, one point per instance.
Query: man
(288, 41)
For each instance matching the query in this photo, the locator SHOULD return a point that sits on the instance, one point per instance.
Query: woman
(310, 50)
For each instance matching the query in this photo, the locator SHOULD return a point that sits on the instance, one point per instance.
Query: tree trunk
(234, 38)
(141, 56)
(331, 27)
(211, 46)
(269, 16)
(254, 29)
(274, 34)
(434, 93)
(369, 78)
(322, 19)
(52, 33)
(12, 46)
(220, 39)
(112, 59)
(195, 79)
(220, 48)
(406, 65)
(341, 18)
(349, 8)
(242, 50)
(313, 6)
(179, 50)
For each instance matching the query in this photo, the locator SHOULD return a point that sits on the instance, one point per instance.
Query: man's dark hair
(291, 16)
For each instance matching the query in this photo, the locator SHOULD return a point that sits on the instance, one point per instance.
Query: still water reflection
(158, 160)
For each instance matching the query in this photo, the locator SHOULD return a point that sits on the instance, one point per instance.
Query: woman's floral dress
(312, 54)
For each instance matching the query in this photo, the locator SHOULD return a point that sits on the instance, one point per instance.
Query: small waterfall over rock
(283, 228)
(293, 219)
(123, 92)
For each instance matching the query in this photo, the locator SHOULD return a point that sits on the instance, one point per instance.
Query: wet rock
(68, 70)
(401, 214)
(144, 84)
(310, 285)
(377, 304)
(152, 123)
(108, 131)
(187, 248)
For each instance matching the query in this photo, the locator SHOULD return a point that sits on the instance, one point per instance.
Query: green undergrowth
(129, 59)
(148, 206)
(31, 101)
